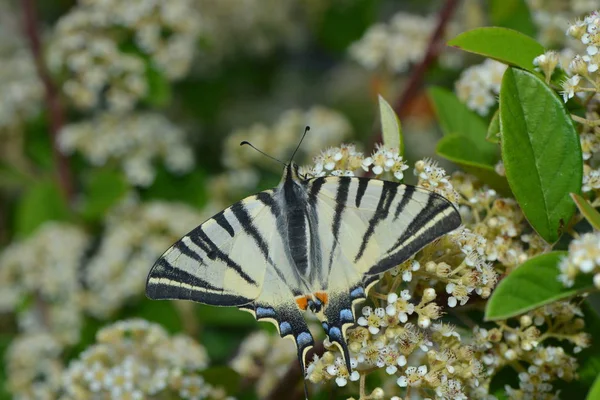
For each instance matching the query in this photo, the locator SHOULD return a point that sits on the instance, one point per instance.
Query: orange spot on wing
(322, 296)
(302, 302)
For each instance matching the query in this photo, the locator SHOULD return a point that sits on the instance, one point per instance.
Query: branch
(432, 52)
(53, 103)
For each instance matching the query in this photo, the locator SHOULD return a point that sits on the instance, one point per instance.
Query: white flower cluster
(551, 17)
(255, 27)
(263, 358)
(88, 48)
(45, 267)
(34, 366)
(432, 177)
(133, 140)
(583, 258)
(22, 91)
(337, 161)
(345, 160)
(396, 45)
(479, 85)
(280, 139)
(135, 235)
(383, 160)
(135, 359)
(583, 69)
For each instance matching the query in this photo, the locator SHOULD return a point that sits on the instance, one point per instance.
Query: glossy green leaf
(459, 149)
(493, 132)
(541, 152)
(532, 285)
(455, 118)
(42, 202)
(589, 212)
(502, 44)
(103, 188)
(594, 393)
(513, 14)
(391, 129)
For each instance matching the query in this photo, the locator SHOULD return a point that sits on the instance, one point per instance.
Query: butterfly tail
(339, 315)
(290, 323)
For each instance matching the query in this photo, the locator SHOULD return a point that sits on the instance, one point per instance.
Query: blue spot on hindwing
(285, 328)
(304, 339)
(325, 326)
(346, 315)
(357, 293)
(335, 333)
(263, 312)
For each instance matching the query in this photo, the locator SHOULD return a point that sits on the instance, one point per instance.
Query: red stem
(53, 103)
(432, 52)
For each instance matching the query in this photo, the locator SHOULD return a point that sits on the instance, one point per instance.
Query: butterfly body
(315, 244)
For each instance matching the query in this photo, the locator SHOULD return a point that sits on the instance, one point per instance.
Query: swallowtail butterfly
(308, 244)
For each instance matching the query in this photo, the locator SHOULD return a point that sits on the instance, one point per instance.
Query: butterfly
(308, 244)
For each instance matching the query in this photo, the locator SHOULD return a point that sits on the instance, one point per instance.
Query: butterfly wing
(236, 258)
(366, 227)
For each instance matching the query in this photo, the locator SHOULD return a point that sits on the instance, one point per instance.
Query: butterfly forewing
(219, 262)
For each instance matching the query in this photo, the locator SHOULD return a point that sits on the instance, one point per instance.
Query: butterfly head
(291, 173)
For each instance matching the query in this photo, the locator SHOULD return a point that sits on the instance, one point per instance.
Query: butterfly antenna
(297, 147)
(262, 152)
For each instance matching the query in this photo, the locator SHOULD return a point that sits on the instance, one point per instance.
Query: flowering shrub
(121, 125)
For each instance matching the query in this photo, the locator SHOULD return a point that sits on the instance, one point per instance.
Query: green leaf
(589, 212)
(159, 88)
(189, 188)
(594, 392)
(493, 132)
(456, 118)
(224, 316)
(103, 188)
(458, 149)
(532, 285)
(502, 44)
(42, 202)
(541, 152)
(390, 126)
(513, 14)
(224, 377)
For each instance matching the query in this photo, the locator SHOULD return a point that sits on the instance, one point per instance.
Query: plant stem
(53, 103)
(431, 54)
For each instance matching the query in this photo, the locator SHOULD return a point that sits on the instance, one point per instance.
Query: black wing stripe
(245, 221)
(223, 223)
(340, 203)
(388, 192)
(429, 211)
(406, 198)
(425, 235)
(185, 250)
(164, 269)
(363, 183)
(200, 239)
(315, 188)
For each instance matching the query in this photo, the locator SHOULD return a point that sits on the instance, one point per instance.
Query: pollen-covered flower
(383, 160)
